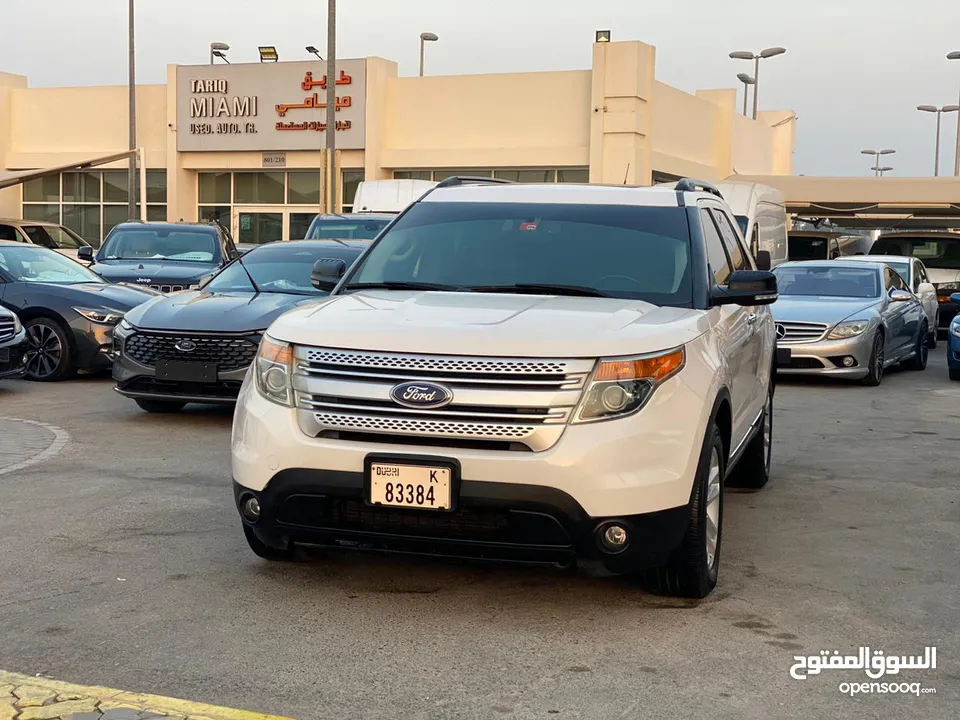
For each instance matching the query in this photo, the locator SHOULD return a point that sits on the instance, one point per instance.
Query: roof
(880, 258)
(140, 225)
(356, 216)
(934, 234)
(559, 193)
(820, 234)
(317, 243)
(839, 262)
(21, 221)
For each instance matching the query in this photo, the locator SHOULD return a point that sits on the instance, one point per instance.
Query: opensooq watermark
(875, 664)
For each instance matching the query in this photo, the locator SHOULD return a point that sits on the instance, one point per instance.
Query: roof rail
(467, 180)
(690, 185)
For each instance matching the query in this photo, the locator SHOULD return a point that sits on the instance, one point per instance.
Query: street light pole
(878, 171)
(956, 159)
(424, 39)
(757, 57)
(132, 80)
(747, 82)
(939, 112)
(331, 106)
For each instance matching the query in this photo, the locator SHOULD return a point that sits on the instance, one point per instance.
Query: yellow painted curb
(110, 697)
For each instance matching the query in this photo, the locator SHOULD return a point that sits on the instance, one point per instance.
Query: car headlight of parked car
(273, 370)
(848, 329)
(101, 317)
(949, 286)
(17, 326)
(954, 329)
(621, 386)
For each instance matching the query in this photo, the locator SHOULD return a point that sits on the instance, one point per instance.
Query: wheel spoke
(713, 492)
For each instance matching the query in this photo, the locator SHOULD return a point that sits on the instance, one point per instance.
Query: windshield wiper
(255, 287)
(400, 285)
(541, 289)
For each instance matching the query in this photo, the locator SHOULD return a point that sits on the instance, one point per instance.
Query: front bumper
(13, 356)
(94, 343)
(491, 521)
(139, 381)
(953, 350)
(826, 357)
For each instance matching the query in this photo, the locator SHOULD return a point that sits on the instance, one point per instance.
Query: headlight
(17, 327)
(954, 329)
(621, 386)
(103, 317)
(950, 286)
(126, 325)
(848, 329)
(273, 369)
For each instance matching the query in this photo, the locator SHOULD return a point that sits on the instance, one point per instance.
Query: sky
(854, 70)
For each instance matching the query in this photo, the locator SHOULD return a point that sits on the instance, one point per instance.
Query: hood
(100, 295)
(152, 272)
(814, 308)
(938, 276)
(489, 324)
(221, 312)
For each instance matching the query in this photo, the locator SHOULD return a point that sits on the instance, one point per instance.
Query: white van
(762, 216)
(388, 196)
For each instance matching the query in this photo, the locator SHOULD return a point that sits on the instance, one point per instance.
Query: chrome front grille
(800, 332)
(6, 327)
(525, 402)
(228, 353)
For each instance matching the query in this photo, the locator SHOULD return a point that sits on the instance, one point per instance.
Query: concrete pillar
(181, 183)
(621, 93)
(10, 197)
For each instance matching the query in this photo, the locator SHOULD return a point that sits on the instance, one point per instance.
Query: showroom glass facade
(265, 206)
(91, 202)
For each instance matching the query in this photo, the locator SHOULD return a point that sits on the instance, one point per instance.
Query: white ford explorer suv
(543, 373)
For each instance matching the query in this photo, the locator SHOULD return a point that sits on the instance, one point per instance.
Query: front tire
(955, 373)
(752, 472)
(875, 376)
(49, 353)
(920, 353)
(691, 571)
(159, 406)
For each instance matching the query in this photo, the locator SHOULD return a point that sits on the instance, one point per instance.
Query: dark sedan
(164, 256)
(196, 346)
(68, 311)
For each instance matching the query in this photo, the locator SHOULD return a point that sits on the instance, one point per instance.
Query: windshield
(178, 243)
(278, 269)
(742, 221)
(346, 228)
(39, 265)
(941, 252)
(807, 248)
(615, 250)
(53, 237)
(828, 281)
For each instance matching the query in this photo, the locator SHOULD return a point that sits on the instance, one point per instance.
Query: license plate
(410, 486)
(178, 371)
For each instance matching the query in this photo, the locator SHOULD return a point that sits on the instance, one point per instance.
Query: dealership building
(244, 143)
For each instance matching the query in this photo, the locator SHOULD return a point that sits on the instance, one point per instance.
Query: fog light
(614, 538)
(849, 361)
(251, 509)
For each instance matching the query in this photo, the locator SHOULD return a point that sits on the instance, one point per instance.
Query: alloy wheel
(878, 354)
(713, 509)
(768, 430)
(44, 351)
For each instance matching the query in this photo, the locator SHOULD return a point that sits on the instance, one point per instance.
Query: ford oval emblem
(423, 395)
(186, 346)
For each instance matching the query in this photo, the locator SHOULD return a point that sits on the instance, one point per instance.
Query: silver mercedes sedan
(849, 319)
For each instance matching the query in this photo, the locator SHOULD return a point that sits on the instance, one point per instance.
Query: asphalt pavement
(122, 564)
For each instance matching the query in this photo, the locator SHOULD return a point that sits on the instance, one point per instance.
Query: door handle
(751, 318)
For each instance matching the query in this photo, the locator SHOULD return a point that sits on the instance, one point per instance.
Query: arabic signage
(268, 107)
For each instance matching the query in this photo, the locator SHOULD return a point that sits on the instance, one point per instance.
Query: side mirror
(926, 288)
(955, 298)
(901, 296)
(746, 287)
(327, 273)
(85, 253)
(763, 260)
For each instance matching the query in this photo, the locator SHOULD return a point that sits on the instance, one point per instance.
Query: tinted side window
(899, 283)
(8, 233)
(921, 274)
(716, 255)
(731, 241)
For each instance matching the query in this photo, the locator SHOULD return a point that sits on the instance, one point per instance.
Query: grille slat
(536, 415)
(436, 428)
(800, 332)
(168, 288)
(6, 327)
(228, 353)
